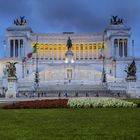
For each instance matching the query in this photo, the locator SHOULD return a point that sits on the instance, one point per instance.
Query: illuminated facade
(56, 74)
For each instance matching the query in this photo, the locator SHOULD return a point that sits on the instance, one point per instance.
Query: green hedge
(135, 101)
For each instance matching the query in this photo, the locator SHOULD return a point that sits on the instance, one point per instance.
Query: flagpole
(36, 85)
(23, 66)
(103, 71)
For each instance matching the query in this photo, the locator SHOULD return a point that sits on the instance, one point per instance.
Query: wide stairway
(71, 90)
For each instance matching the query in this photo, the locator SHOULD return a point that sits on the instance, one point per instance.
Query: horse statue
(116, 21)
(69, 43)
(20, 22)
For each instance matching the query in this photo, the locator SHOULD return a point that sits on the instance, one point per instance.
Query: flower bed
(97, 102)
(53, 103)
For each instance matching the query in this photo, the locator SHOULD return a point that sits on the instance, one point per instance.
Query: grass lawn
(70, 124)
(135, 101)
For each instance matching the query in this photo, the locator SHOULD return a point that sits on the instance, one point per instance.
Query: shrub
(96, 102)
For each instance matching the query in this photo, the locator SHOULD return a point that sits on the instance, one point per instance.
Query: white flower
(98, 102)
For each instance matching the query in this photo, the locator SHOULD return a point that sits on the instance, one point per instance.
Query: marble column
(92, 51)
(79, 52)
(122, 47)
(114, 48)
(61, 52)
(87, 51)
(128, 48)
(48, 51)
(9, 49)
(52, 51)
(14, 44)
(57, 49)
(83, 51)
(44, 51)
(96, 50)
(39, 51)
(74, 51)
(19, 48)
(117, 48)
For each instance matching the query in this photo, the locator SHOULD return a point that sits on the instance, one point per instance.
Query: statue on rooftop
(20, 22)
(116, 21)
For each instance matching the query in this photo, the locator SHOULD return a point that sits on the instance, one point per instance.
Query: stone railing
(117, 86)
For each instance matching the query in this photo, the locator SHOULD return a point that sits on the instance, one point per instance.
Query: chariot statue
(20, 22)
(116, 21)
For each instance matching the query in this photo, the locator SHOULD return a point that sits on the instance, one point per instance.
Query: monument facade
(72, 62)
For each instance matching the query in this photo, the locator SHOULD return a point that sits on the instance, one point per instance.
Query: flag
(29, 55)
(34, 48)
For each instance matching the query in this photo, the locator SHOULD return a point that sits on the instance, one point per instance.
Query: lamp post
(36, 81)
(23, 65)
(103, 72)
(114, 62)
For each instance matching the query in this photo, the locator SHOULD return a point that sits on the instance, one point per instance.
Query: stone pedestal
(69, 57)
(12, 87)
(132, 89)
(131, 79)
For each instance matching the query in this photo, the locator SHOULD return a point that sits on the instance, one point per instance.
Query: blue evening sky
(80, 16)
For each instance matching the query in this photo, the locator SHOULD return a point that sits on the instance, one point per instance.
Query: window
(21, 47)
(115, 46)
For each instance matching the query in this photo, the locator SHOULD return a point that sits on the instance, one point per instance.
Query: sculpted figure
(11, 69)
(131, 70)
(69, 43)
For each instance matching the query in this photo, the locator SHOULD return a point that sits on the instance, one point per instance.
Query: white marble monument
(86, 64)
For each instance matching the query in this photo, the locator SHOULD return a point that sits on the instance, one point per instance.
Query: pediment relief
(120, 33)
(18, 33)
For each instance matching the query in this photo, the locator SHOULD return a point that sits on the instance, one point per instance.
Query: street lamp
(23, 65)
(36, 81)
(114, 60)
(103, 72)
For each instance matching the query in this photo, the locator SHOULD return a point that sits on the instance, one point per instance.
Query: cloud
(84, 16)
(9, 8)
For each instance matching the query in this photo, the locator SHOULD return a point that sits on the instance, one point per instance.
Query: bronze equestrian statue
(69, 43)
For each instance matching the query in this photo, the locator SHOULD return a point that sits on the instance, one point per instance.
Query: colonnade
(80, 51)
(121, 47)
(16, 48)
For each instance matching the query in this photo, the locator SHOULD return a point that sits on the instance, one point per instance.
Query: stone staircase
(71, 90)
